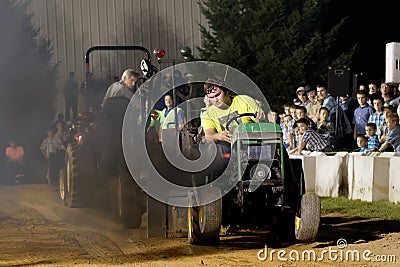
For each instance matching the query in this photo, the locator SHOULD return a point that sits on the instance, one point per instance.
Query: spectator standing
(377, 117)
(315, 104)
(89, 93)
(385, 93)
(167, 116)
(302, 96)
(373, 89)
(362, 113)
(372, 93)
(71, 97)
(15, 156)
(328, 101)
(49, 148)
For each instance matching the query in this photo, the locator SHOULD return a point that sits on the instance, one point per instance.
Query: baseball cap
(300, 89)
(310, 88)
(390, 107)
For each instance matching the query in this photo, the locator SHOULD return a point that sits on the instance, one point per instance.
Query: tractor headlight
(78, 138)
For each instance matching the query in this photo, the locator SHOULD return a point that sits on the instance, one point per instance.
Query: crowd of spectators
(316, 121)
(319, 121)
(14, 162)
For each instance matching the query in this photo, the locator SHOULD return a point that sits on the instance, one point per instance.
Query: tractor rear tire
(130, 201)
(76, 178)
(204, 221)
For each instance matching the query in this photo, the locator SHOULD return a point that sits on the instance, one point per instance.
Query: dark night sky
(371, 24)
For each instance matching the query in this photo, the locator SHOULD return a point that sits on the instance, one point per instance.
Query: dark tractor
(95, 173)
(270, 191)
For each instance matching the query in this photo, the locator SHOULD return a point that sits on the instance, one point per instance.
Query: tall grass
(377, 209)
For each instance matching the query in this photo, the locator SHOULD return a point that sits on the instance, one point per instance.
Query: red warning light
(159, 53)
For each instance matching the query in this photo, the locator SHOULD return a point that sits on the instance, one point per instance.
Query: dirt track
(37, 230)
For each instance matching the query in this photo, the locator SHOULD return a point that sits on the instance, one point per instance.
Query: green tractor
(269, 190)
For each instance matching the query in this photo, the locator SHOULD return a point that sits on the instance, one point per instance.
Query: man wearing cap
(302, 96)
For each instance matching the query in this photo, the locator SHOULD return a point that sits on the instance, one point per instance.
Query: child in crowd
(373, 141)
(293, 112)
(310, 138)
(388, 110)
(362, 113)
(301, 112)
(286, 110)
(393, 138)
(287, 132)
(292, 124)
(362, 143)
(377, 117)
(323, 125)
(274, 117)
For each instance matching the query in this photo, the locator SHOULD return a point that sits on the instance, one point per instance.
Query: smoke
(27, 79)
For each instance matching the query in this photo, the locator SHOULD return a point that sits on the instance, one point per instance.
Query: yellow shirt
(216, 118)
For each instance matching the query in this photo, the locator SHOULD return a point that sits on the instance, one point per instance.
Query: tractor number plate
(277, 189)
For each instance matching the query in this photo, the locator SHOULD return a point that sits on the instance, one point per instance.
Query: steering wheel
(236, 119)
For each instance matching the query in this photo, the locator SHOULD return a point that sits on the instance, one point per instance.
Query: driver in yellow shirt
(225, 106)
